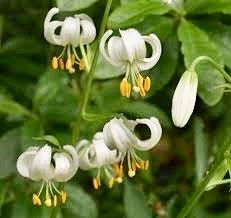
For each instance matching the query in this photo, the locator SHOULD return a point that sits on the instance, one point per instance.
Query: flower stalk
(90, 76)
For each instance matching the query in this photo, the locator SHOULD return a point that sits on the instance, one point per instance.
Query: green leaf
(208, 6)
(80, 204)
(48, 138)
(166, 67)
(30, 129)
(134, 12)
(135, 202)
(54, 99)
(9, 145)
(201, 149)
(221, 35)
(1, 29)
(105, 70)
(195, 43)
(8, 106)
(160, 25)
(73, 5)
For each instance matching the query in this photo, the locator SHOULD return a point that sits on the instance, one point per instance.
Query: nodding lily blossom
(39, 164)
(96, 154)
(75, 31)
(120, 134)
(129, 53)
(184, 98)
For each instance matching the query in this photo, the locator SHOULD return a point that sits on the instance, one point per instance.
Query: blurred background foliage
(34, 100)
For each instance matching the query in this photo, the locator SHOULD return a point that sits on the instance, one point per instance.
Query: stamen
(139, 82)
(48, 202)
(123, 87)
(68, 64)
(72, 59)
(95, 183)
(147, 84)
(111, 182)
(81, 64)
(136, 89)
(128, 90)
(54, 63)
(55, 201)
(131, 172)
(36, 200)
(119, 179)
(63, 196)
(61, 64)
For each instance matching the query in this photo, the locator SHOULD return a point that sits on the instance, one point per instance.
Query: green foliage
(69, 5)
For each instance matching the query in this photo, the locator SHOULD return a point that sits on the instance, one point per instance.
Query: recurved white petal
(134, 44)
(117, 135)
(51, 26)
(147, 63)
(103, 155)
(70, 32)
(184, 98)
(155, 134)
(114, 60)
(41, 167)
(25, 159)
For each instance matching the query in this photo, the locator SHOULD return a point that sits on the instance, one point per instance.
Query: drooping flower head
(120, 134)
(129, 53)
(95, 154)
(75, 31)
(40, 164)
(184, 98)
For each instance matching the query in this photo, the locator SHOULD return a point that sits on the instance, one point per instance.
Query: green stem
(90, 76)
(203, 185)
(211, 61)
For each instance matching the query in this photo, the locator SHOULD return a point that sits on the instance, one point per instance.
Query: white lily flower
(37, 164)
(120, 134)
(129, 52)
(184, 98)
(96, 154)
(76, 30)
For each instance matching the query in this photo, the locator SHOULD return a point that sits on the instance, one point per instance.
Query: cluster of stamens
(72, 59)
(135, 162)
(114, 175)
(134, 81)
(53, 196)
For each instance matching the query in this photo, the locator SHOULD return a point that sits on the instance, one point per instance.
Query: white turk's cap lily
(129, 53)
(120, 134)
(96, 154)
(184, 98)
(37, 164)
(76, 30)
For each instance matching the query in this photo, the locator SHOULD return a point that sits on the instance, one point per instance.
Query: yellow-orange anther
(63, 196)
(99, 181)
(54, 63)
(146, 165)
(123, 87)
(61, 64)
(119, 179)
(55, 201)
(68, 64)
(147, 84)
(95, 183)
(81, 64)
(128, 90)
(142, 165)
(121, 171)
(48, 202)
(111, 182)
(140, 82)
(72, 59)
(36, 200)
(138, 165)
(131, 173)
